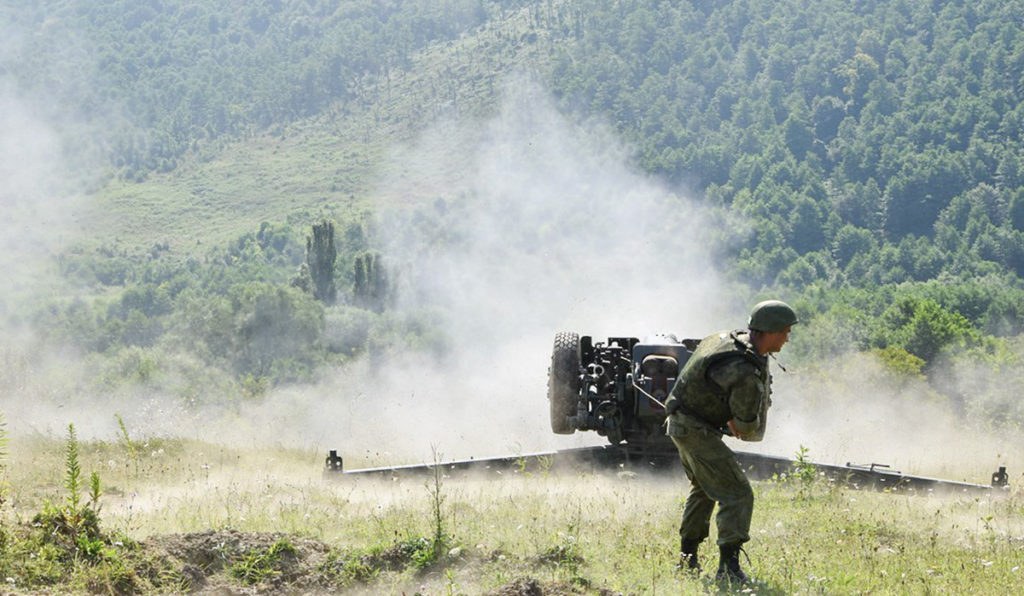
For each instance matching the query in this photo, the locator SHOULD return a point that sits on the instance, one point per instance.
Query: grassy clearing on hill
(326, 165)
(191, 515)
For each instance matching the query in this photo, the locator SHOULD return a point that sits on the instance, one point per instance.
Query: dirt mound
(230, 562)
(233, 562)
(529, 586)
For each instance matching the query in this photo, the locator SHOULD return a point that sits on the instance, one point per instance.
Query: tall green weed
(73, 528)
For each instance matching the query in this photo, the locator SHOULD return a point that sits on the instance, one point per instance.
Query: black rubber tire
(564, 381)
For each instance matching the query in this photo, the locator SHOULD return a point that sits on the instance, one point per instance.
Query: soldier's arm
(745, 389)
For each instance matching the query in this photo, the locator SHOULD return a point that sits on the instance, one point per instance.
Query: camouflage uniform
(725, 379)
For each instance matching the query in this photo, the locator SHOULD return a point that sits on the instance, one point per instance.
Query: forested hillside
(188, 72)
(837, 128)
(862, 159)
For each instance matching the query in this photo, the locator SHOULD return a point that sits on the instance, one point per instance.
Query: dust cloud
(546, 228)
(49, 158)
(536, 224)
(848, 409)
(31, 218)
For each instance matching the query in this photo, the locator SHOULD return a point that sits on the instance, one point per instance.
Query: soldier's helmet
(772, 316)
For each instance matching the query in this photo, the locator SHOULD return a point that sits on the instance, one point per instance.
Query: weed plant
(437, 498)
(260, 565)
(126, 440)
(63, 544)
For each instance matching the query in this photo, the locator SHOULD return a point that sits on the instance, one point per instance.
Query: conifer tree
(320, 257)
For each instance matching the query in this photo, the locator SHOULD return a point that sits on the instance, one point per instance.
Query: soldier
(724, 389)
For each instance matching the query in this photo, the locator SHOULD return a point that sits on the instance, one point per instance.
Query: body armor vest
(697, 395)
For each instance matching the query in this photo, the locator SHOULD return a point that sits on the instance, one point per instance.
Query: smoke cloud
(548, 228)
(850, 410)
(48, 158)
(539, 224)
(30, 152)
(535, 223)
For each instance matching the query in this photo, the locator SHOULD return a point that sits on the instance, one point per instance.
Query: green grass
(573, 533)
(207, 203)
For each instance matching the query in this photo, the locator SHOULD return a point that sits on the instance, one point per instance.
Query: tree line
(269, 308)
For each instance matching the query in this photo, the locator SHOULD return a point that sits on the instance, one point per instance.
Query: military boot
(688, 556)
(729, 565)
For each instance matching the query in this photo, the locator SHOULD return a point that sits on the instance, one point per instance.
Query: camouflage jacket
(725, 379)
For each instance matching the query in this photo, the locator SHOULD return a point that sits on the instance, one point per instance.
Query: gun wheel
(564, 381)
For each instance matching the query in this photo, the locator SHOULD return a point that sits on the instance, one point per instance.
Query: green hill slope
(325, 163)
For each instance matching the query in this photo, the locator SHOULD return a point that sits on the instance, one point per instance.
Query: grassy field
(348, 158)
(179, 515)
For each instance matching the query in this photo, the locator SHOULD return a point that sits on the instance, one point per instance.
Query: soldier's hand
(732, 428)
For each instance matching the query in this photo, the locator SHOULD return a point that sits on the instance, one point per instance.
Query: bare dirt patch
(233, 562)
(230, 562)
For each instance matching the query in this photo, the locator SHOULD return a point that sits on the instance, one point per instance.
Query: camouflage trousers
(715, 477)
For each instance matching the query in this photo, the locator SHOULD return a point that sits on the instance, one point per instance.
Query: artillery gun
(617, 388)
